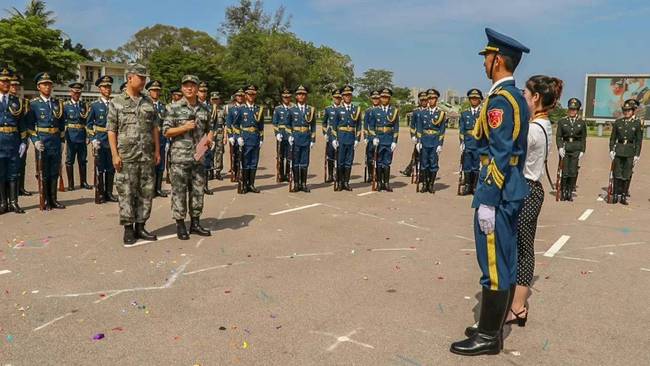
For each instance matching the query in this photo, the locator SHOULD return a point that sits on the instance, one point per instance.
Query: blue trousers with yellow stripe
(497, 252)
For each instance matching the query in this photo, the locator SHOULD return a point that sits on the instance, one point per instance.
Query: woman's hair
(549, 89)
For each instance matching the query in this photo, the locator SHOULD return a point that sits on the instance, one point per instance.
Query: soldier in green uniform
(134, 137)
(571, 142)
(625, 149)
(219, 127)
(186, 123)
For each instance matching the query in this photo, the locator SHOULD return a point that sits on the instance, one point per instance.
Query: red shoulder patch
(495, 117)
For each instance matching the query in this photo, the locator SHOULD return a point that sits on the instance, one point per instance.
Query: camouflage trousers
(219, 148)
(135, 189)
(187, 186)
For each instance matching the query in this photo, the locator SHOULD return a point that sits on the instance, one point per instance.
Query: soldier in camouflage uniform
(571, 142)
(219, 126)
(186, 122)
(625, 149)
(134, 135)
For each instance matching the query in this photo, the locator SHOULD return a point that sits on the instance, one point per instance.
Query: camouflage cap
(137, 69)
(190, 79)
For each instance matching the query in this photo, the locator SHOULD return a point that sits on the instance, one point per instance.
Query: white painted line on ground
(413, 226)
(212, 268)
(580, 259)
(468, 250)
(295, 209)
(198, 243)
(586, 214)
(52, 321)
(370, 215)
(5, 271)
(542, 252)
(144, 242)
(366, 193)
(599, 199)
(557, 246)
(107, 297)
(392, 249)
(464, 238)
(616, 245)
(295, 255)
(645, 269)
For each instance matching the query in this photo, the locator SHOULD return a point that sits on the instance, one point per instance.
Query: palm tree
(35, 8)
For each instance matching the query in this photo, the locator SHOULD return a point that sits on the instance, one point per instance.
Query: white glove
(375, 141)
(356, 143)
(335, 144)
(231, 140)
(240, 141)
(393, 146)
(581, 155)
(636, 160)
(438, 149)
(311, 145)
(96, 144)
(39, 146)
(462, 147)
(612, 155)
(290, 140)
(278, 137)
(562, 152)
(486, 218)
(261, 142)
(414, 139)
(21, 149)
(167, 145)
(418, 146)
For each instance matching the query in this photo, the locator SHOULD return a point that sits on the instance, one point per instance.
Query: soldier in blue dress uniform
(248, 128)
(45, 124)
(501, 132)
(468, 147)
(232, 112)
(13, 143)
(303, 137)
(430, 133)
(75, 112)
(328, 120)
(154, 87)
(346, 131)
(281, 127)
(423, 101)
(96, 126)
(370, 149)
(13, 90)
(384, 130)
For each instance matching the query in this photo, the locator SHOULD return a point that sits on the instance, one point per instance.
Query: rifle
(291, 189)
(168, 154)
(98, 192)
(277, 160)
(374, 171)
(325, 160)
(461, 174)
(415, 167)
(240, 178)
(233, 177)
(336, 169)
(61, 185)
(558, 179)
(610, 185)
(39, 179)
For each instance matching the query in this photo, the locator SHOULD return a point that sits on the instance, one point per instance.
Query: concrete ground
(345, 278)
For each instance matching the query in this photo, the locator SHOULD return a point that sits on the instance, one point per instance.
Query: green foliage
(374, 79)
(249, 15)
(35, 8)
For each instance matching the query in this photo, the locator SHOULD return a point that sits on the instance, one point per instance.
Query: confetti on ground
(467, 297)
(440, 308)
(10, 338)
(222, 328)
(515, 353)
(391, 290)
(98, 336)
(244, 345)
(118, 329)
(545, 347)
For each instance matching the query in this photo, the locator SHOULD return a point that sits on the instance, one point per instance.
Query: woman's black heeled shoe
(520, 321)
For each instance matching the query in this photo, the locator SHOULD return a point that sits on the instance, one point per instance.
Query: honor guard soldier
(501, 132)
(154, 87)
(13, 143)
(133, 133)
(370, 149)
(302, 139)
(176, 94)
(470, 162)
(13, 90)
(45, 124)
(232, 113)
(203, 94)
(186, 123)
(328, 120)
(572, 142)
(430, 132)
(219, 127)
(96, 125)
(75, 113)
(423, 101)
(347, 133)
(281, 127)
(384, 130)
(249, 129)
(625, 149)
(122, 87)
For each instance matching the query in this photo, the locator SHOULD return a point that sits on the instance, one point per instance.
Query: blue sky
(424, 42)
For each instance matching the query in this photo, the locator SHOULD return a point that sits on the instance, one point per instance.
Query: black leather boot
(379, 172)
(387, 180)
(181, 230)
(46, 194)
(159, 179)
(69, 171)
(370, 170)
(303, 177)
(408, 170)
(206, 189)
(330, 171)
(615, 190)
(338, 185)
(251, 181)
(432, 182)
(218, 176)
(21, 178)
(488, 339)
(142, 233)
(83, 179)
(54, 203)
(623, 192)
(129, 235)
(4, 205)
(281, 174)
(424, 181)
(287, 169)
(100, 189)
(346, 179)
(196, 228)
(13, 198)
(108, 192)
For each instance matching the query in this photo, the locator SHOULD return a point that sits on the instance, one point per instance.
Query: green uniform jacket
(626, 137)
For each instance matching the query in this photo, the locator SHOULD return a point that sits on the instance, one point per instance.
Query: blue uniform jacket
(281, 123)
(303, 125)
(415, 116)
(466, 124)
(249, 124)
(232, 112)
(347, 125)
(45, 123)
(431, 127)
(329, 117)
(13, 129)
(501, 133)
(96, 123)
(384, 125)
(74, 118)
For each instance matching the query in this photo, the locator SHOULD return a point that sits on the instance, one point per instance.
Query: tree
(375, 79)
(77, 48)
(35, 8)
(109, 55)
(250, 15)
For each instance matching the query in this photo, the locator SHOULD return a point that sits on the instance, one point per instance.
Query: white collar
(286, 106)
(301, 106)
(4, 95)
(250, 105)
(474, 110)
(105, 101)
(434, 109)
(46, 100)
(499, 82)
(347, 105)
